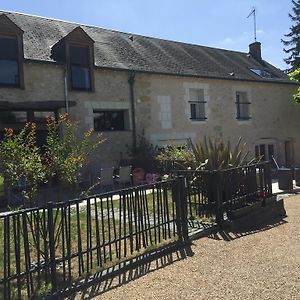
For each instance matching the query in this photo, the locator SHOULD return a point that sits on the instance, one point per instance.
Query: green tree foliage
(178, 156)
(292, 43)
(23, 162)
(295, 76)
(65, 155)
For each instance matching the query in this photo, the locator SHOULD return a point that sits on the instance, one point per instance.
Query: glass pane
(41, 116)
(80, 78)
(193, 111)
(9, 72)
(262, 151)
(270, 151)
(109, 120)
(241, 97)
(11, 117)
(197, 111)
(196, 94)
(99, 121)
(79, 56)
(8, 49)
(117, 120)
(244, 111)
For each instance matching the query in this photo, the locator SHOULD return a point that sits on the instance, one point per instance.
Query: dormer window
(76, 50)
(11, 53)
(80, 68)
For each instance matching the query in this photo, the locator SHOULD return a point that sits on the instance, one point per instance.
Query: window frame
(19, 42)
(29, 118)
(110, 111)
(90, 66)
(199, 102)
(238, 106)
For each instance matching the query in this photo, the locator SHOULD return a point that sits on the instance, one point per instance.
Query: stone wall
(274, 118)
(162, 109)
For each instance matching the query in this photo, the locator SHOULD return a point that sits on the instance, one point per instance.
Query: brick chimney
(255, 50)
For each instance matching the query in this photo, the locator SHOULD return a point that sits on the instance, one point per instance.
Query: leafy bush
(172, 156)
(144, 155)
(21, 159)
(23, 162)
(66, 155)
(217, 155)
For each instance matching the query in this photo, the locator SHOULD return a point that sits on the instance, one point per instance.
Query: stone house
(123, 84)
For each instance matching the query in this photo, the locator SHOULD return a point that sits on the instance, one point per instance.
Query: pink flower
(9, 131)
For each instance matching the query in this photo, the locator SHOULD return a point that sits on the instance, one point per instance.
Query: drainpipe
(131, 79)
(66, 89)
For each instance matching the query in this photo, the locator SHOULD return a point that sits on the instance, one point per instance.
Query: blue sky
(218, 23)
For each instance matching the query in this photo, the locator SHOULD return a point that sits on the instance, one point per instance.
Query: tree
(26, 165)
(66, 155)
(293, 39)
(295, 76)
(21, 161)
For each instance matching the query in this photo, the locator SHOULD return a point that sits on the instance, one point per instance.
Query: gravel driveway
(258, 264)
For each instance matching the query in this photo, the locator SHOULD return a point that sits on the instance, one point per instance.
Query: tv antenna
(253, 12)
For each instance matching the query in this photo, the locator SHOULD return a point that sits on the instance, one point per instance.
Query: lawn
(88, 237)
(1, 185)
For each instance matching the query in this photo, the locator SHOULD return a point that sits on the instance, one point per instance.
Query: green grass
(108, 230)
(1, 185)
(111, 230)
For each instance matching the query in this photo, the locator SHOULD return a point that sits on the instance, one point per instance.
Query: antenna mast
(253, 12)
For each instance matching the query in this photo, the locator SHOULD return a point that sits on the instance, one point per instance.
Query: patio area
(259, 263)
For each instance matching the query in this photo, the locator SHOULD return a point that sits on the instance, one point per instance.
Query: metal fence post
(217, 196)
(52, 247)
(183, 208)
(176, 198)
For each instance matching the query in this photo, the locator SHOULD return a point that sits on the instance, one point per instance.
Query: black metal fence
(213, 194)
(58, 247)
(53, 248)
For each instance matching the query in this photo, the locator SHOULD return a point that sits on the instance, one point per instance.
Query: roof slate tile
(113, 49)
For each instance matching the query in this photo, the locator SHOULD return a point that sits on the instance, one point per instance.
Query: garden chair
(106, 179)
(125, 177)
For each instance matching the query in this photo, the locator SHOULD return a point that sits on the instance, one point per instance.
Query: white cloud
(228, 40)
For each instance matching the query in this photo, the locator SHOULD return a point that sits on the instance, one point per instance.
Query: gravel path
(260, 264)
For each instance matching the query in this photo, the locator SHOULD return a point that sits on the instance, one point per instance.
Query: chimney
(255, 50)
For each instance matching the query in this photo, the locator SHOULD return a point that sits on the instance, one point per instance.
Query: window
(10, 117)
(262, 73)
(197, 104)
(41, 116)
(80, 68)
(242, 106)
(9, 63)
(264, 151)
(16, 119)
(109, 120)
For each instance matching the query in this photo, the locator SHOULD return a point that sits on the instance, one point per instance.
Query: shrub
(144, 155)
(24, 163)
(66, 155)
(174, 157)
(21, 159)
(217, 155)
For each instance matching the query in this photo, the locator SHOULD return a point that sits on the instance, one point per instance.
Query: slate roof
(115, 49)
